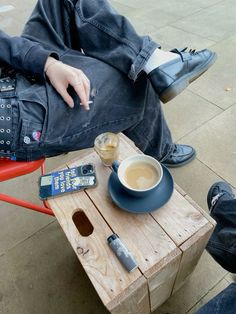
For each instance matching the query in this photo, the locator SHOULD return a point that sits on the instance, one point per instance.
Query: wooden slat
(179, 218)
(142, 234)
(126, 140)
(192, 250)
(161, 281)
(101, 265)
(157, 255)
(134, 300)
(202, 211)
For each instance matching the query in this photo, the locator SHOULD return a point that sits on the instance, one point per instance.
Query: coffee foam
(141, 175)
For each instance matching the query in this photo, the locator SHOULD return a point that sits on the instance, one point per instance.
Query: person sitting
(222, 245)
(79, 69)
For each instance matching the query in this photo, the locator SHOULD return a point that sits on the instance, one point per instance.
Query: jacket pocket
(33, 113)
(31, 134)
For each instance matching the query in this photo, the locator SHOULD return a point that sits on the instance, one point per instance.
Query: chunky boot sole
(179, 85)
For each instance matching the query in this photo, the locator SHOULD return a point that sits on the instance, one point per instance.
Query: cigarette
(88, 103)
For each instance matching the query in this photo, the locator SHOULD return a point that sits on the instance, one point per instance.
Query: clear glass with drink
(107, 147)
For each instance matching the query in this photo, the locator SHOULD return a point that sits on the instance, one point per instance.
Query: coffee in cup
(139, 174)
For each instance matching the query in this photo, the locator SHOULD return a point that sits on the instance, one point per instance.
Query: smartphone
(67, 181)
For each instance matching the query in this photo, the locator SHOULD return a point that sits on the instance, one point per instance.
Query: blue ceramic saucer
(153, 201)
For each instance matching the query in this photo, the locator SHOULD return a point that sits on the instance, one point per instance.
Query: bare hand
(62, 75)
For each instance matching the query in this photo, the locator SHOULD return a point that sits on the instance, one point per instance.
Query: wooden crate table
(166, 243)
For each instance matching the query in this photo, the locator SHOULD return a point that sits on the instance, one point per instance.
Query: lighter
(123, 254)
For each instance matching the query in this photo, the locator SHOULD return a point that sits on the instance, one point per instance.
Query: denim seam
(133, 117)
(27, 53)
(142, 55)
(150, 143)
(64, 52)
(106, 31)
(141, 59)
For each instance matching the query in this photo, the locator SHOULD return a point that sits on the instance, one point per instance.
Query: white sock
(158, 58)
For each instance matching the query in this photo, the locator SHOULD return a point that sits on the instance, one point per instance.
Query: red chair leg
(16, 201)
(19, 202)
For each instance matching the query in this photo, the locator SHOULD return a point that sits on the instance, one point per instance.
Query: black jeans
(223, 303)
(222, 244)
(222, 247)
(92, 36)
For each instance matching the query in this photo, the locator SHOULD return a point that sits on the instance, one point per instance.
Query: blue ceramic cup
(139, 174)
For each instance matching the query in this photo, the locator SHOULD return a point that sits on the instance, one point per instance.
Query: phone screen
(67, 181)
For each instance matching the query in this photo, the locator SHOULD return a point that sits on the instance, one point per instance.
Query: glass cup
(107, 147)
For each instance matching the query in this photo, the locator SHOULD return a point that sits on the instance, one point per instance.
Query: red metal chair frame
(11, 169)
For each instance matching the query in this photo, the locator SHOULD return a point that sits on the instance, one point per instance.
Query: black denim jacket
(23, 55)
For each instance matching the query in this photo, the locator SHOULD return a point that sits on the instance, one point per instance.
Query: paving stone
(10, 26)
(195, 179)
(215, 22)
(17, 223)
(210, 295)
(205, 276)
(177, 38)
(230, 277)
(183, 8)
(143, 28)
(124, 9)
(7, 288)
(158, 18)
(216, 146)
(46, 277)
(139, 4)
(6, 8)
(192, 111)
(218, 84)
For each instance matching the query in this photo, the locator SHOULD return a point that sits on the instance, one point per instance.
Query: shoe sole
(181, 163)
(179, 85)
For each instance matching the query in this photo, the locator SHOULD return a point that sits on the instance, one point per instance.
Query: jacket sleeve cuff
(35, 59)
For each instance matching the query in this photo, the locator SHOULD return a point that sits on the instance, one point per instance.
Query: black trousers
(92, 36)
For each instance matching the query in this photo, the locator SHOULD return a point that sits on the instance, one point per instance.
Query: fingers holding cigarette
(88, 102)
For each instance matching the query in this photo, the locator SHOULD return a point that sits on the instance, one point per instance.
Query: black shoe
(171, 78)
(181, 155)
(219, 190)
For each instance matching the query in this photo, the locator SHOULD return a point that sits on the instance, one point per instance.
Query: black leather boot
(171, 78)
(180, 155)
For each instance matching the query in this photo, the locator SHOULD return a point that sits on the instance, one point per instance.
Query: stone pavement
(39, 272)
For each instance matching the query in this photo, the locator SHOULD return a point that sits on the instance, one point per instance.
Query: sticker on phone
(82, 181)
(67, 181)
